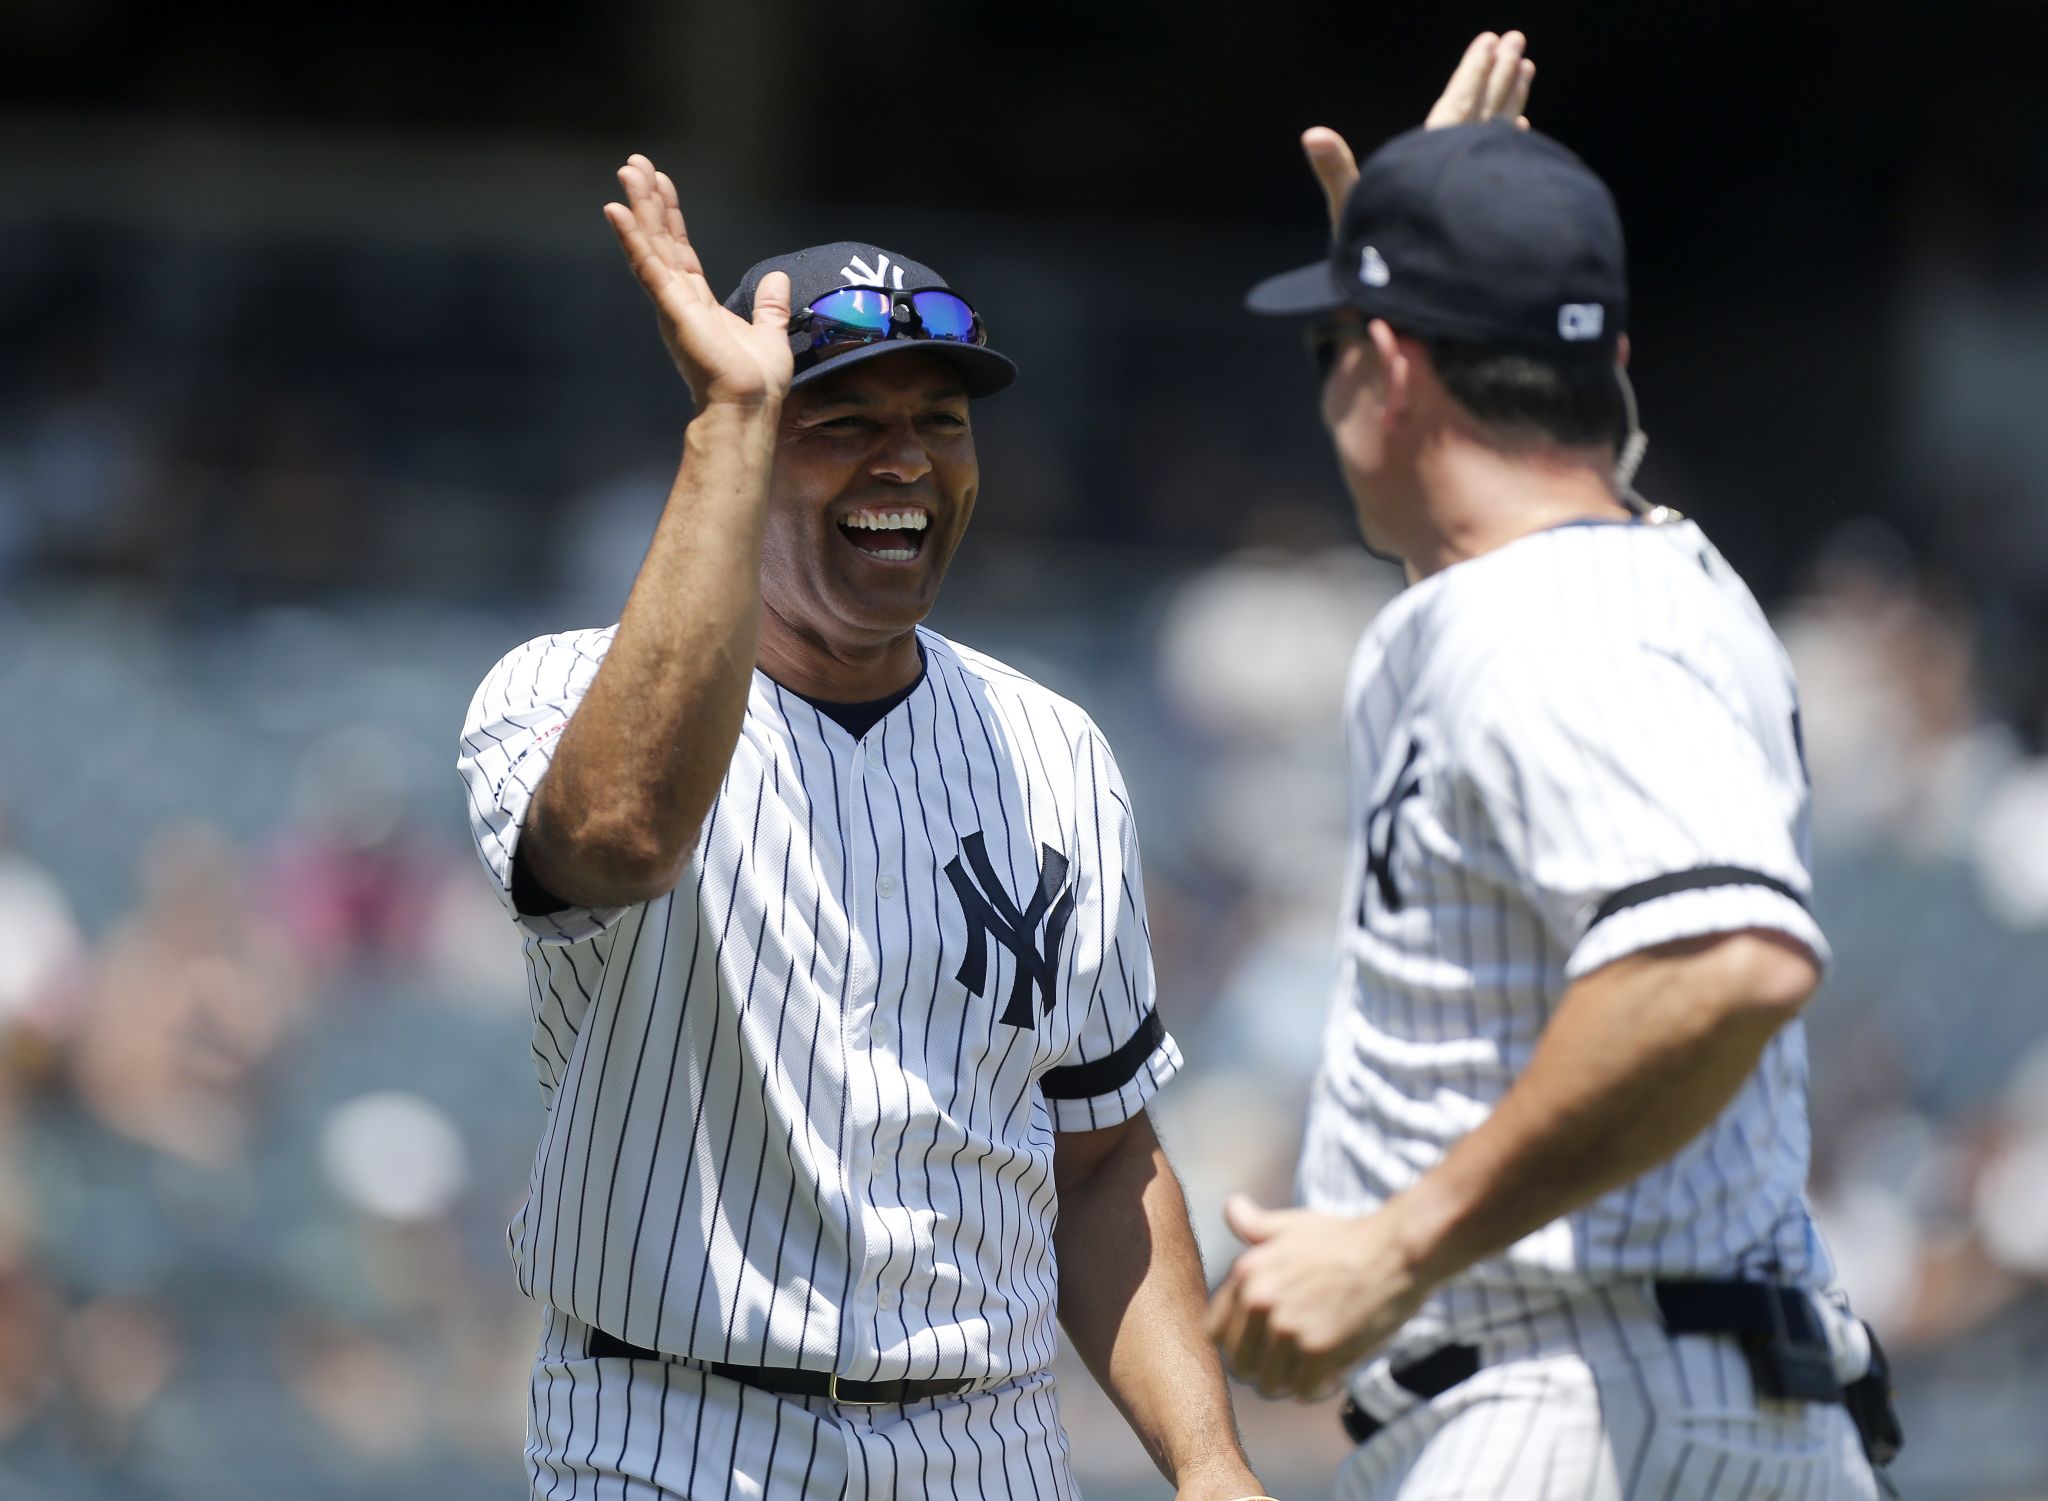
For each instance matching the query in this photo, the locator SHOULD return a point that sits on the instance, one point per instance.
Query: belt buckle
(832, 1394)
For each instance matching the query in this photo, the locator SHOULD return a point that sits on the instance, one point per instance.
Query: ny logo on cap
(860, 274)
(1580, 321)
(989, 910)
(1372, 268)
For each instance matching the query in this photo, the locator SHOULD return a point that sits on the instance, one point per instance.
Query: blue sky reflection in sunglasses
(852, 316)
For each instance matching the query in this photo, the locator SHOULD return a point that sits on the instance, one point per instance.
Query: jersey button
(885, 1300)
(886, 887)
(874, 753)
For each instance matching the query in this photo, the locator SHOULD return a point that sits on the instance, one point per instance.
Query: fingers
(1252, 1351)
(671, 206)
(1318, 1381)
(1502, 78)
(1227, 1311)
(1280, 1367)
(656, 242)
(1492, 81)
(1518, 94)
(1336, 169)
(654, 272)
(1246, 1220)
(1244, 1343)
(682, 254)
(643, 197)
(1462, 94)
(771, 301)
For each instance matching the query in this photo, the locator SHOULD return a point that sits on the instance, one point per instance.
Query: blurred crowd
(258, 1140)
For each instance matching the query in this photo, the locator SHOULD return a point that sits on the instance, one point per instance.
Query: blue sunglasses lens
(945, 316)
(854, 316)
(855, 312)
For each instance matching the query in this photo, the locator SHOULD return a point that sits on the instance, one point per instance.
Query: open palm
(1491, 82)
(724, 357)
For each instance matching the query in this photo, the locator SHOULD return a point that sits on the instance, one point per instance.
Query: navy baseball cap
(823, 269)
(1482, 233)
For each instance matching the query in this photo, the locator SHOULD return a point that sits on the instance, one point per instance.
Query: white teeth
(893, 554)
(887, 521)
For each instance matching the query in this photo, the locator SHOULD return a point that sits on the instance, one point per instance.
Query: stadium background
(321, 385)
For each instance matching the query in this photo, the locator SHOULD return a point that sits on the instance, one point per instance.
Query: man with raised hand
(1554, 1238)
(843, 997)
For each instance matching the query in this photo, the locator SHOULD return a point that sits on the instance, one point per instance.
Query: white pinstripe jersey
(1575, 747)
(800, 1111)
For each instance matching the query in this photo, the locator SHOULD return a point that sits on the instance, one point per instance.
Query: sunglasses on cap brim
(854, 317)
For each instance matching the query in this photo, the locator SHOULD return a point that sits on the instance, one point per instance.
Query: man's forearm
(1132, 1299)
(616, 817)
(1639, 1058)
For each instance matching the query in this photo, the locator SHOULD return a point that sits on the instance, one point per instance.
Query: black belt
(788, 1382)
(1779, 1330)
(1432, 1376)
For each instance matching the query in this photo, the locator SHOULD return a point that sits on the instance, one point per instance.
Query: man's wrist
(1225, 1477)
(1428, 1219)
(742, 409)
(724, 429)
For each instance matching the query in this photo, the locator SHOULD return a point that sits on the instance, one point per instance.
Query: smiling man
(842, 992)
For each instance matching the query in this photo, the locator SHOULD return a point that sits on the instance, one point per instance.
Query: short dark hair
(1524, 398)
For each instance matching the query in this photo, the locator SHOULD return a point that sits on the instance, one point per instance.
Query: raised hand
(722, 356)
(1492, 81)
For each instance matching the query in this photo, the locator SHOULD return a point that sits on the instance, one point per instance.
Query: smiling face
(875, 479)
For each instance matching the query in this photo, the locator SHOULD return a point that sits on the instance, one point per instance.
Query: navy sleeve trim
(1108, 1074)
(1689, 880)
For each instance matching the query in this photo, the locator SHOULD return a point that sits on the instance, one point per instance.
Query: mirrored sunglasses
(852, 317)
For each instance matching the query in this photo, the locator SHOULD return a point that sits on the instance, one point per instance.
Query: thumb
(1247, 1221)
(1330, 158)
(771, 301)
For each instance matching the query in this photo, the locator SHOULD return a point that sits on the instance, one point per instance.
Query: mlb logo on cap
(1580, 321)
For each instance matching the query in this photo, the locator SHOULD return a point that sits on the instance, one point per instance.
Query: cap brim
(1308, 289)
(981, 370)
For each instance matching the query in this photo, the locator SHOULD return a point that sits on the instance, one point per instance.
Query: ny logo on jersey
(989, 910)
(861, 274)
(1380, 826)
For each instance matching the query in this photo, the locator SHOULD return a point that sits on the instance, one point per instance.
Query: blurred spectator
(30, 1317)
(1897, 739)
(118, 1354)
(352, 878)
(195, 993)
(2011, 846)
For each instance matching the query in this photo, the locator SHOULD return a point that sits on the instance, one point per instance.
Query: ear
(1397, 373)
(1621, 352)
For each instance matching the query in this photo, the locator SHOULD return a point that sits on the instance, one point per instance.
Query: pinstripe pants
(638, 1430)
(1592, 1401)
